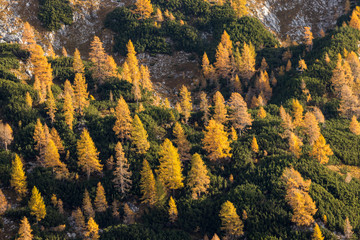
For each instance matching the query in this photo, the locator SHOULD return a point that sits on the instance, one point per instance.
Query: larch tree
(4, 205)
(239, 7)
(68, 110)
(92, 230)
(207, 68)
(37, 205)
(144, 8)
(99, 59)
(122, 127)
(147, 184)
(132, 63)
(25, 232)
(81, 95)
(233, 134)
(39, 136)
(64, 52)
(349, 103)
(181, 142)
(312, 128)
(78, 64)
(88, 156)
(261, 113)
(317, 235)
(173, 212)
(28, 36)
(321, 151)
(295, 145)
(287, 122)
(145, 80)
(51, 106)
(122, 174)
(198, 177)
(52, 160)
(100, 202)
(302, 65)
(216, 141)
(239, 115)
(28, 100)
(318, 114)
(308, 38)
(204, 107)
(348, 232)
(354, 126)
(246, 65)
(129, 215)
(139, 136)
(215, 237)
(6, 134)
(262, 86)
(254, 145)
(223, 55)
(220, 112)
(354, 20)
(297, 112)
(231, 223)
(170, 166)
(79, 219)
(185, 102)
(87, 205)
(18, 178)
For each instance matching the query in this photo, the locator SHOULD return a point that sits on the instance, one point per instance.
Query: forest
(265, 147)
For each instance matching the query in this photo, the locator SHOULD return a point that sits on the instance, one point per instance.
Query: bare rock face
(286, 17)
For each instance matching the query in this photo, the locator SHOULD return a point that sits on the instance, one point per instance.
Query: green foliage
(54, 13)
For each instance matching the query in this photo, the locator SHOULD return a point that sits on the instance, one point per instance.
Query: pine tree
(79, 219)
(122, 179)
(239, 112)
(18, 178)
(204, 107)
(78, 64)
(92, 230)
(122, 127)
(321, 151)
(28, 100)
(254, 145)
(231, 223)
(312, 128)
(348, 232)
(354, 20)
(37, 205)
(100, 200)
(87, 205)
(261, 113)
(68, 110)
(80, 93)
(308, 37)
(6, 134)
(88, 156)
(181, 142)
(198, 178)
(4, 205)
(186, 105)
(317, 235)
(25, 230)
(216, 141)
(173, 212)
(170, 166)
(246, 66)
(139, 136)
(297, 112)
(147, 185)
(239, 7)
(144, 8)
(220, 112)
(295, 145)
(354, 126)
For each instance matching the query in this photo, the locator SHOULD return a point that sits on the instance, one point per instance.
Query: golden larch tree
(215, 237)
(122, 174)
(198, 177)
(144, 8)
(246, 65)
(261, 113)
(99, 59)
(297, 112)
(28, 100)
(92, 230)
(68, 110)
(100, 202)
(25, 230)
(354, 20)
(254, 145)
(349, 103)
(181, 142)
(28, 36)
(6, 134)
(147, 184)
(145, 80)
(133, 63)
(51, 106)
(295, 145)
(233, 134)
(223, 61)
(87, 205)
(79, 219)
(220, 112)
(231, 223)
(207, 68)
(81, 95)
(216, 141)
(240, 117)
(37, 205)
(185, 102)
(239, 7)
(122, 127)
(4, 205)
(354, 126)
(18, 178)
(321, 151)
(302, 65)
(262, 86)
(64, 52)
(204, 107)
(173, 212)
(317, 235)
(139, 136)
(287, 122)
(170, 166)
(88, 156)
(312, 128)
(78, 64)
(318, 114)
(129, 215)
(308, 37)
(52, 160)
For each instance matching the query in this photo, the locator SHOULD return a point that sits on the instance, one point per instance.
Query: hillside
(185, 120)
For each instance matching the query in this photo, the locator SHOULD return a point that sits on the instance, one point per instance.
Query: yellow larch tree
(215, 237)
(349, 103)
(88, 156)
(312, 128)
(129, 215)
(254, 145)
(122, 127)
(50, 52)
(136, 90)
(144, 8)
(79, 219)
(239, 116)
(18, 178)
(207, 68)
(100, 202)
(139, 136)
(308, 37)
(354, 126)
(231, 223)
(4, 205)
(261, 113)
(51, 105)
(147, 184)
(87, 205)
(198, 177)
(185, 102)
(288, 66)
(122, 174)
(338, 78)
(37, 205)
(126, 74)
(216, 141)
(99, 59)
(239, 7)
(64, 52)
(181, 142)
(92, 230)
(321, 151)
(39, 136)
(78, 64)
(28, 36)
(81, 95)
(52, 160)
(159, 16)
(145, 80)
(302, 65)
(204, 107)
(262, 86)
(317, 235)
(28, 100)
(246, 66)
(233, 134)
(173, 212)
(220, 112)
(111, 68)
(223, 61)
(297, 112)
(287, 122)
(295, 145)
(170, 166)
(25, 230)
(132, 63)
(6, 134)
(68, 110)
(354, 20)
